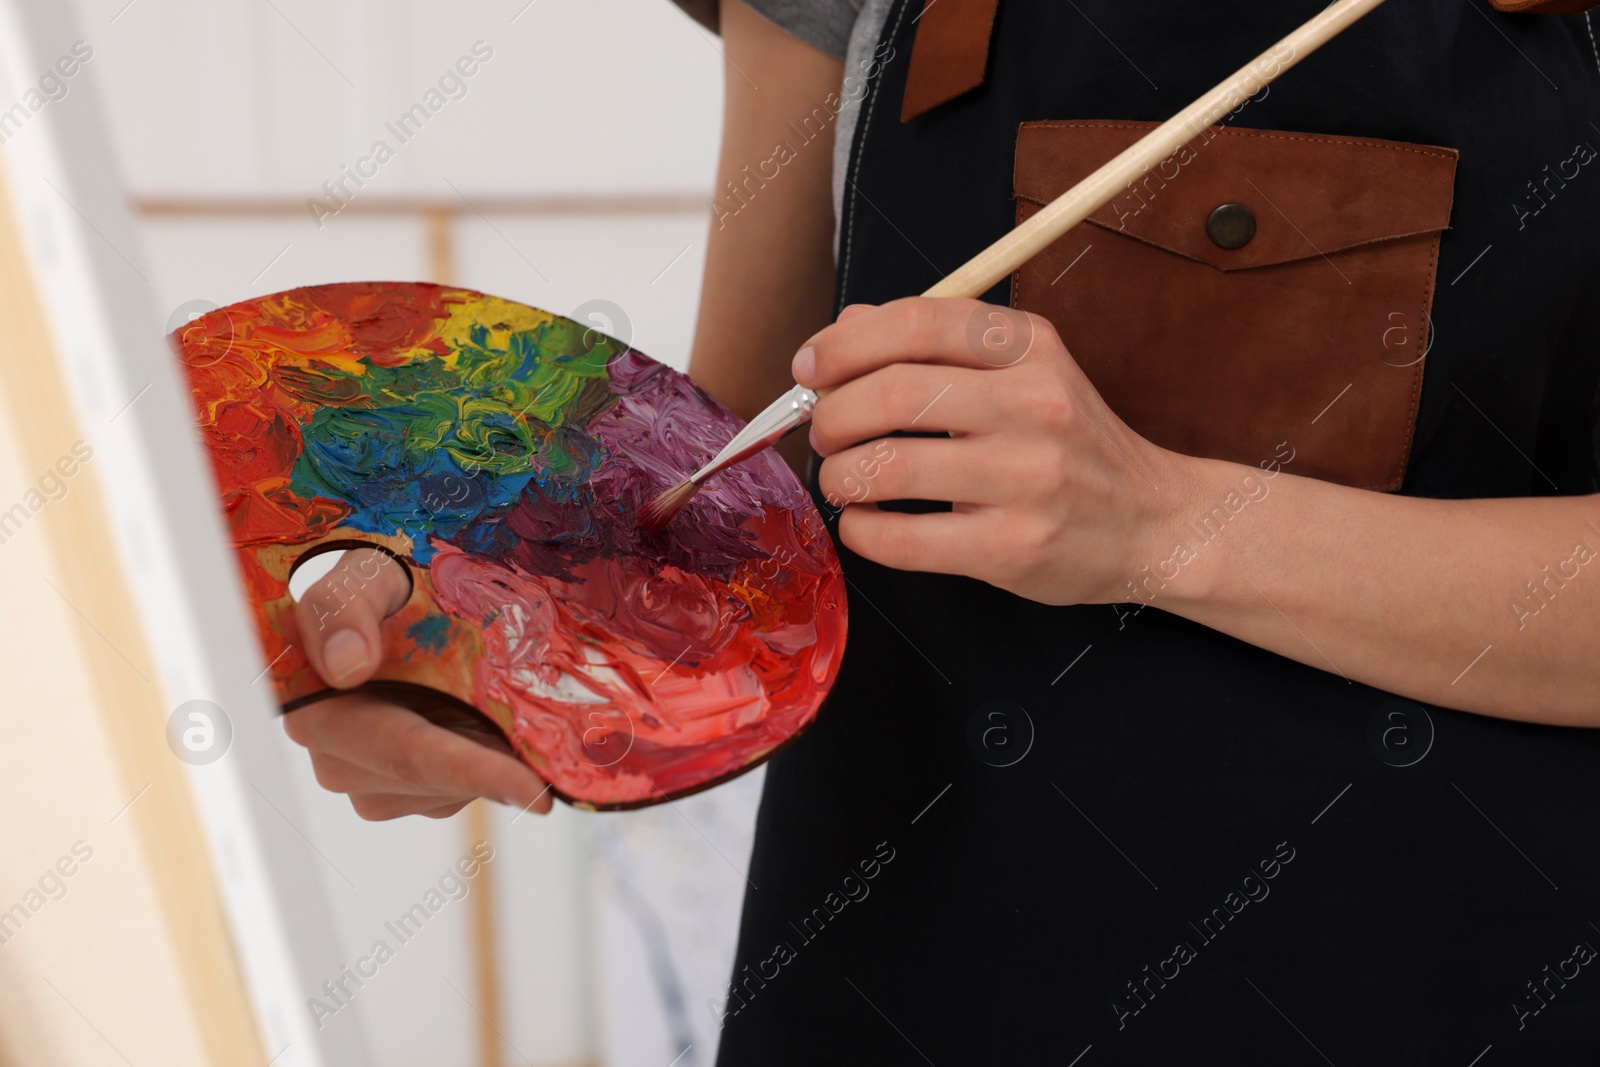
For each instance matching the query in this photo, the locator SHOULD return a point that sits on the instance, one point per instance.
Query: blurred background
(573, 164)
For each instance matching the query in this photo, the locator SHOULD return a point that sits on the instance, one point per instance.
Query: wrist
(1178, 557)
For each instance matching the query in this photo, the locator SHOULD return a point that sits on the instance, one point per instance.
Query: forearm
(1490, 606)
(769, 260)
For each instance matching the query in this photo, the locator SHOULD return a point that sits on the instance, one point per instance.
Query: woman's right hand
(392, 760)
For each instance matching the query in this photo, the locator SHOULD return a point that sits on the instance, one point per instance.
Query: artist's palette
(501, 454)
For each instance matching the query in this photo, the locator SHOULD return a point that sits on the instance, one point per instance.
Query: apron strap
(951, 51)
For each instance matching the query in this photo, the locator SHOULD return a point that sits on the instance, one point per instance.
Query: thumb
(338, 615)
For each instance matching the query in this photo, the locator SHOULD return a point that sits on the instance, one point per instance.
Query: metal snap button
(1231, 225)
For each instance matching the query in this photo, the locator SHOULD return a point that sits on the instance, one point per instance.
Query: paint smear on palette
(502, 454)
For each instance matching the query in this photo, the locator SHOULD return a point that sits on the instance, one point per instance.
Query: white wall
(251, 95)
(592, 99)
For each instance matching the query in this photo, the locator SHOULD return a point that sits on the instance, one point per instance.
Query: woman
(1227, 715)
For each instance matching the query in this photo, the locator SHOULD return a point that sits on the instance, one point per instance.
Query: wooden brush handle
(990, 266)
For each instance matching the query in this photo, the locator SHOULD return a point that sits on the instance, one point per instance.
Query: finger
(380, 807)
(317, 726)
(341, 776)
(960, 333)
(403, 745)
(965, 470)
(903, 396)
(852, 310)
(305, 724)
(445, 811)
(339, 615)
(941, 542)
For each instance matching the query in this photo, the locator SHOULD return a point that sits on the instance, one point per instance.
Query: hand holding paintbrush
(997, 261)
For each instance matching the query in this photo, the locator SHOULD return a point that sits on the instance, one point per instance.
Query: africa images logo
(1400, 733)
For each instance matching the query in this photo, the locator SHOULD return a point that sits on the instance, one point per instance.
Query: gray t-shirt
(823, 24)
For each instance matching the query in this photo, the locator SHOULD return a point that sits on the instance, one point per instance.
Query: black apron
(1017, 831)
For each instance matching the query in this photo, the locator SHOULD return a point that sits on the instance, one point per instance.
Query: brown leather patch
(950, 54)
(1312, 332)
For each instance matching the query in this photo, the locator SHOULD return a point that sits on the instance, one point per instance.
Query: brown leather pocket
(1312, 331)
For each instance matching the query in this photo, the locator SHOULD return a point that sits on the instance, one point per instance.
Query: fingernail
(805, 365)
(344, 654)
(811, 436)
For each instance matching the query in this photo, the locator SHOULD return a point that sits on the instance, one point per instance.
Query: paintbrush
(994, 263)
(791, 410)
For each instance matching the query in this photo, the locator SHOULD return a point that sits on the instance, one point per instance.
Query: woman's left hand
(1054, 497)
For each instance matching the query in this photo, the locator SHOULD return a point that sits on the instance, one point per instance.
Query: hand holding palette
(502, 454)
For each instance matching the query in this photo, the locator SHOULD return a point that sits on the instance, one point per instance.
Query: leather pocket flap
(1325, 194)
(1318, 355)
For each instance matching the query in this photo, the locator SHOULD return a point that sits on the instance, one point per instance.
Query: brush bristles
(659, 513)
